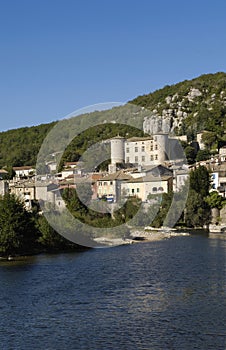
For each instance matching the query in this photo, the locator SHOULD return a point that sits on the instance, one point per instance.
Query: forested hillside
(20, 146)
(191, 106)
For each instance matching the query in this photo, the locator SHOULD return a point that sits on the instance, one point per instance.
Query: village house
(180, 177)
(25, 191)
(109, 186)
(24, 171)
(144, 186)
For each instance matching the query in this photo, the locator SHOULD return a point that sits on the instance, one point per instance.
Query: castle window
(105, 183)
(136, 149)
(152, 157)
(154, 189)
(151, 148)
(138, 190)
(143, 149)
(111, 182)
(160, 189)
(156, 147)
(100, 183)
(156, 157)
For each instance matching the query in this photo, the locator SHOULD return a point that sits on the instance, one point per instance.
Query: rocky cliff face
(188, 106)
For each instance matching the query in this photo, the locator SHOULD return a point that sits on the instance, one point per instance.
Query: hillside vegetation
(191, 106)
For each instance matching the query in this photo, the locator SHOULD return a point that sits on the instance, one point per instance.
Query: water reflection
(161, 295)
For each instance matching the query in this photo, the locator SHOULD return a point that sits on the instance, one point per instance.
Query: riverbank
(137, 236)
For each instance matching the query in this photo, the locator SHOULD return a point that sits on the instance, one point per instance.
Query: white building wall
(150, 151)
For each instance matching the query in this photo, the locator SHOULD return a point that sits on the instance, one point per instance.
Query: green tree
(190, 154)
(203, 155)
(200, 181)
(197, 212)
(51, 240)
(215, 200)
(18, 232)
(209, 139)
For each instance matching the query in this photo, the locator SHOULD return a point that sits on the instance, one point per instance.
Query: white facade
(149, 185)
(149, 150)
(24, 171)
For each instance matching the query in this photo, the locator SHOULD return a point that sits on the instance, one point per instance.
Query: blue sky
(61, 55)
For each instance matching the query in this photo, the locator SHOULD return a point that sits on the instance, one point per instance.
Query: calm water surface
(168, 294)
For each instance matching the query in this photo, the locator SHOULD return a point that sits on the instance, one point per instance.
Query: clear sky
(61, 55)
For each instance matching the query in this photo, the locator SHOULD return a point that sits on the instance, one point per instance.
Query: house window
(127, 150)
(156, 147)
(142, 148)
(111, 182)
(127, 159)
(154, 189)
(151, 148)
(156, 156)
(105, 183)
(160, 189)
(143, 159)
(132, 190)
(138, 190)
(100, 183)
(136, 149)
(152, 157)
(136, 159)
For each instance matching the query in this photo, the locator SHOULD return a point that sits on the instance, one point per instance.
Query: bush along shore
(27, 233)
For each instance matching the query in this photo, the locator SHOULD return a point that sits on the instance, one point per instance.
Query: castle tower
(162, 140)
(117, 150)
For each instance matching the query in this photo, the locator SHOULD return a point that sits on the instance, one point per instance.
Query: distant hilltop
(187, 108)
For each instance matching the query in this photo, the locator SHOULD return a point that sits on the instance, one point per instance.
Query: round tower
(117, 150)
(162, 141)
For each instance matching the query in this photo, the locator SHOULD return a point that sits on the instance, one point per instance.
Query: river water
(169, 294)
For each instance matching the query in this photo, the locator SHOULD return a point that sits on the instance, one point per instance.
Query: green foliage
(163, 210)
(25, 233)
(51, 240)
(190, 154)
(18, 232)
(214, 200)
(197, 213)
(102, 215)
(203, 155)
(205, 112)
(209, 139)
(200, 181)
(20, 146)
